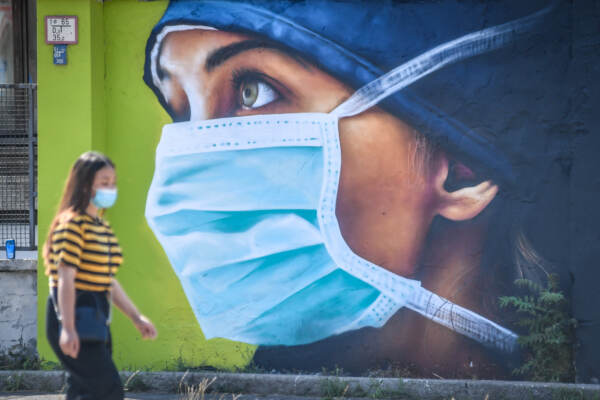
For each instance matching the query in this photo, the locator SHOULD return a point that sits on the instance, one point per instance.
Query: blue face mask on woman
(105, 198)
(245, 210)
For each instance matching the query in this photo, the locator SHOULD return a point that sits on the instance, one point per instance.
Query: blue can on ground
(10, 248)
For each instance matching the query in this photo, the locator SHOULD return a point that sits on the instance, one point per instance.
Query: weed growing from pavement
(193, 392)
(378, 391)
(135, 384)
(333, 387)
(199, 391)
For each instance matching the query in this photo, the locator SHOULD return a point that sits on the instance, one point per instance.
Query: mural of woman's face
(388, 193)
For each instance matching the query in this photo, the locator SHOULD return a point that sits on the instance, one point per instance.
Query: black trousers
(93, 374)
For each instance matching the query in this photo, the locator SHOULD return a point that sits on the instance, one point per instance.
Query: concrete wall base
(18, 305)
(316, 385)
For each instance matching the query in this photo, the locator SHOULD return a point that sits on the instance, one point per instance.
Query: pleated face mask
(244, 208)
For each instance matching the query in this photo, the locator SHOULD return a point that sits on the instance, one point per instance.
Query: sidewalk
(244, 386)
(42, 396)
(155, 396)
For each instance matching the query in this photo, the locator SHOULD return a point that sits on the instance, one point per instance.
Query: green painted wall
(99, 101)
(66, 127)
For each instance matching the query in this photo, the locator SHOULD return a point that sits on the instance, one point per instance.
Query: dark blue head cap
(468, 107)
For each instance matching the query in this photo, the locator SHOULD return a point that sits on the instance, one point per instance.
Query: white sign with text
(61, 29)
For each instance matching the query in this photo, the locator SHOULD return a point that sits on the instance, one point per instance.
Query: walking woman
(81, 256)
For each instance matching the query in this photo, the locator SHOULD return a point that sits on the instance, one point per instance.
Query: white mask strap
(463, 321)
(459, 49)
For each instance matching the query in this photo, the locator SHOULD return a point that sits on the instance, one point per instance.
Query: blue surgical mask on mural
(244, 208)
(105, 198)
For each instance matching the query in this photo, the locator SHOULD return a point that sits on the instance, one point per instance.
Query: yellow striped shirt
(85, 243)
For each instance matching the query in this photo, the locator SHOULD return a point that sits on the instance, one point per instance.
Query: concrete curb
(40, 381)
(316, 386)
(18, 265)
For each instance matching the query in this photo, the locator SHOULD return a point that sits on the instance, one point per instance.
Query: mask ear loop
(459, 49)
(424, 302)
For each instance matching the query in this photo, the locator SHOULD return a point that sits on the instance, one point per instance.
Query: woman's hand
(146, 327)
(122, 301)
(69, 342)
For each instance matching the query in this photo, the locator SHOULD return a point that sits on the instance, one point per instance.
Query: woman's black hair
(77, 193)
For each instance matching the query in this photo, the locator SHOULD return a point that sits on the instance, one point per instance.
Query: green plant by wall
(377, 390)
(333, 387)
(548, 343)
(20, 357)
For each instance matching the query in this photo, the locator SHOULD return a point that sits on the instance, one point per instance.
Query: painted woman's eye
(254, 94)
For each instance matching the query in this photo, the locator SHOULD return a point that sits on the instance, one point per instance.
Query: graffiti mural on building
(359, 175)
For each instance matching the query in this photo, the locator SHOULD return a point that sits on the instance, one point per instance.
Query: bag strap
(55, 303)
(109, 295)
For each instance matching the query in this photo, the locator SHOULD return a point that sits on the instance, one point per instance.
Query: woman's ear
(464, 203)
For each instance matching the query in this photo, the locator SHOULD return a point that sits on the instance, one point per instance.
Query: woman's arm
(69, 339)
(123, 303)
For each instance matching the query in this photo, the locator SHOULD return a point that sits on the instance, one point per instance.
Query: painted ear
(464, 203)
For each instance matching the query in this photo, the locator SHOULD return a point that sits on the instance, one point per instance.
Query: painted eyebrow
(219, 56)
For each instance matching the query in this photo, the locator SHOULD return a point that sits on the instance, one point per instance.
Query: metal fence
(18, 165)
